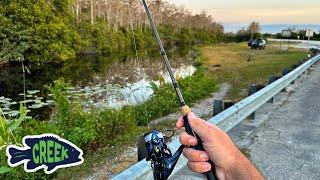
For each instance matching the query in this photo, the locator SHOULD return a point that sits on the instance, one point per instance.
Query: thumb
(201, 127)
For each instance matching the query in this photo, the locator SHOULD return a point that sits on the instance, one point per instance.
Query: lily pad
(50, 101)
(6, 105)
(27, 101)
(36, 106)
(13, 103)
(13, 113)
(3, 101)
(33, 91)
(5, 113)
(37, 101)
(6, 109)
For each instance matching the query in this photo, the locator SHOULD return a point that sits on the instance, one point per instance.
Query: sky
(265, 11)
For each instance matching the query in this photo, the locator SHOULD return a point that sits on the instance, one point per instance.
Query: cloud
(267, 16)
(267, 12)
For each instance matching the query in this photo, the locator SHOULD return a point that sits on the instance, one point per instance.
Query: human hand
(229, 162)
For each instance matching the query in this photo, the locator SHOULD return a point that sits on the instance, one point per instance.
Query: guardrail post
(227, 104)
(217, 106)
(142, 152)
(221, 105)
(299, 64)
(253, 89)
(293, 67)
(272, 79)
(285, 71)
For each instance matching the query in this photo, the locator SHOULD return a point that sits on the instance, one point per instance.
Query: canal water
(98, 81)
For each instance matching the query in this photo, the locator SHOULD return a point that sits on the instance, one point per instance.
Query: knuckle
(196, 167)
(192, 167)
(200, 167)
(183, 138)
(186, 153)
(195, 155)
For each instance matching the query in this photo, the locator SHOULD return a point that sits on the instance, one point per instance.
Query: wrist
(231, 164)
(242, 168)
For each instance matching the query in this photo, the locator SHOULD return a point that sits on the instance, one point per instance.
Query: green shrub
(113, 123)
(165, 101)
(95, 129)
(73, 123)
(11, 132)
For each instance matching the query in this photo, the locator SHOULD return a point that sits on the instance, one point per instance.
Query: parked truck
(257, 43)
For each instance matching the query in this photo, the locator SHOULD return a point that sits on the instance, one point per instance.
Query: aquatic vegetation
(117, 96)
(33, 101)
(103, 95)
(7, 126)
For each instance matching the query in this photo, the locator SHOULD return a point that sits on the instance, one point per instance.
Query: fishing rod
(162, 160)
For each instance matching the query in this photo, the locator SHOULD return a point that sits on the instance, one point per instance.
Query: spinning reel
(162, 160)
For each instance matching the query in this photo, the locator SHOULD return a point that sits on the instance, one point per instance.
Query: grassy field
(233, 63)
(241, 66)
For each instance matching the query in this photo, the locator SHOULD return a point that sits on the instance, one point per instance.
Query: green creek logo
(47, 151)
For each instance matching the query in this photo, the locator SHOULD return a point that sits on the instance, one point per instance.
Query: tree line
(251, 32)
(58, 30)
(299, 34)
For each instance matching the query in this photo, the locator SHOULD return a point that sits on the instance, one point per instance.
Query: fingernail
(204, 156)
(192, 141)
(206, 167)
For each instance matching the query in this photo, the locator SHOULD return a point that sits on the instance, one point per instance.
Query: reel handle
(185, 111)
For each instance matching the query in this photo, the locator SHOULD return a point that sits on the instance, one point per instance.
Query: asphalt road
(284, 140)
(287, 146)
(300, 43)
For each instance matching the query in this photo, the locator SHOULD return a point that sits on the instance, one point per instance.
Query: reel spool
(162, 160)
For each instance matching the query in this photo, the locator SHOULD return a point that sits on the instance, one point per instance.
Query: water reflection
(117, 96)
(98, 81)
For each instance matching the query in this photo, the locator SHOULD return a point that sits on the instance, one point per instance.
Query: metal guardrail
(226, 120)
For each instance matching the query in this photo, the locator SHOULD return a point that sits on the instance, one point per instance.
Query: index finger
(180, 122)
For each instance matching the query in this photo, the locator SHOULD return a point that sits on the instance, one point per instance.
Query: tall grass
(7, 127)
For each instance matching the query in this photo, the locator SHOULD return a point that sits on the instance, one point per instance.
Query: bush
(84, 128)
(165, 101)
(100, 128)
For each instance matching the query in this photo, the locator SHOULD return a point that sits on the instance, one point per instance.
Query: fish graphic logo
(47, 151)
